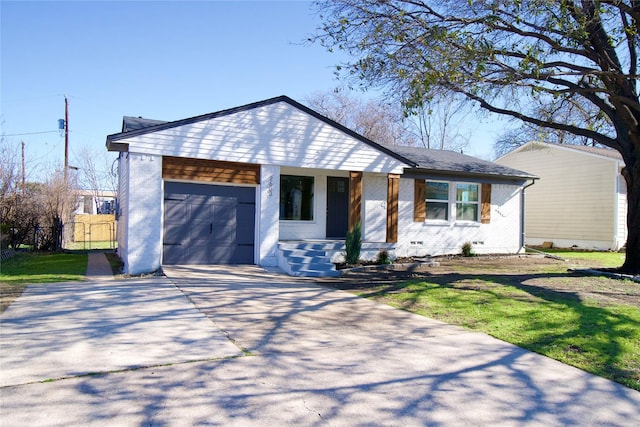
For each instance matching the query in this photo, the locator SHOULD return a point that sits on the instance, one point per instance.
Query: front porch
(317, 257)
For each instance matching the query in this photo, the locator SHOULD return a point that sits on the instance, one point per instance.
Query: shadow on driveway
(311, 356)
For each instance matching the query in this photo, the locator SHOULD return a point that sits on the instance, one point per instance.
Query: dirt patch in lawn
(539, 276)
(8, 294)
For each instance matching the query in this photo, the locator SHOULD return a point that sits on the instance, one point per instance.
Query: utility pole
(66, 137)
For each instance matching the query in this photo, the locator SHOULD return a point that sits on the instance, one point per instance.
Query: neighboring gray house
(581, 198)
(274, 183)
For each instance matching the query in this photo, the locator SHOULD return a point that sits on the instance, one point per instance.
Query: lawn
(600, 259)
(38, 268)
(592, 323)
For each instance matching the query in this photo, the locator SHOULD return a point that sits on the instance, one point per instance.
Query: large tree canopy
(576, 60)
(433, 127)
(384, 123)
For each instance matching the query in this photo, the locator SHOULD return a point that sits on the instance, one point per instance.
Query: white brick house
(240, 185)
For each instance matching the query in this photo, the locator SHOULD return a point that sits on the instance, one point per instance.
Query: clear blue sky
(165, 60)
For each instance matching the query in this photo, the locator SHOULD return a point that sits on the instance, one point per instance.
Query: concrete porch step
(312, 245)
(308, 258)
(317, 257)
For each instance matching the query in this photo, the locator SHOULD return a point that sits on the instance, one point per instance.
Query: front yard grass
(602, 259)
(38, 268)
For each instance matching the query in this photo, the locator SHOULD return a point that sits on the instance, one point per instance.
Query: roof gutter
(466, 176)
(121, 147)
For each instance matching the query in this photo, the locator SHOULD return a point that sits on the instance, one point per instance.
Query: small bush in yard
(383, 257)
(467, 249)
(353, 244)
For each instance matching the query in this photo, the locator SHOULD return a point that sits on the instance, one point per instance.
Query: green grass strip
(29, 268)
(600, 259)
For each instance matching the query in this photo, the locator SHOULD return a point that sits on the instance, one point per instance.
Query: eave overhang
(462, 176)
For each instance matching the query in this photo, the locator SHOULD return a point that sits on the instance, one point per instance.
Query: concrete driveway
(240, 346)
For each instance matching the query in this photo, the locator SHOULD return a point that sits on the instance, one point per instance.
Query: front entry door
(337, 207)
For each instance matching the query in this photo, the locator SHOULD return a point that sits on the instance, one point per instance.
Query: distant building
(103, 204)
(580, 199)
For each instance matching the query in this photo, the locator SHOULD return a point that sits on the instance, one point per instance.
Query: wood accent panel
(393, 190)
(355, 198)
(485, 208)
(419, 198)
(210, 170)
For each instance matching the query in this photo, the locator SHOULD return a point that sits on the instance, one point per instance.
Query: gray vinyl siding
(575, 197)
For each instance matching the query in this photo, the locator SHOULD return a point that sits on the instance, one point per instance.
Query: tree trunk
(631, 173)
(56, 234)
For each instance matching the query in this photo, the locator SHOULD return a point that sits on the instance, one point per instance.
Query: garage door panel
(200, 210)
(209, 224)
(227, 215)
(198, 253)
(173, 236)
(225, 235)
(224, 221)
(174, 253)
(242, 252)
(223, 254)
(246, 216)
(175, 215)
(175, 210)
(200, 223)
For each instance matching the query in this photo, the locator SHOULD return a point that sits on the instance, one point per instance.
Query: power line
(30, 133)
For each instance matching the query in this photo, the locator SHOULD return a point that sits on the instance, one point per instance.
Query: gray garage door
(208, 224)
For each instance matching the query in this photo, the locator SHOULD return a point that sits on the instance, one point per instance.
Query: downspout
(522, 215)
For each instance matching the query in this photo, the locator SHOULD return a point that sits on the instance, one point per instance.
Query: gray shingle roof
(439, 161)
(134, 123)
(421, 161)
(606, 152)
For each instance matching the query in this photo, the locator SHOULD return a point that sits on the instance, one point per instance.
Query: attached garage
(208, 224)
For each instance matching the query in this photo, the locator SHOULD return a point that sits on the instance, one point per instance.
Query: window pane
(436, 210)
(296, 198)
(467, 192)
(437, 190)
(467, 211)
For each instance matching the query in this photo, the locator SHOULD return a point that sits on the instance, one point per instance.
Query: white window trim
(478, 203)
(448, 202)
(452, 204)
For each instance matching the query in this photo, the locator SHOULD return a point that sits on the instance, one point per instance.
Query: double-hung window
(451, 201)
(467, 202)
(437, 199)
